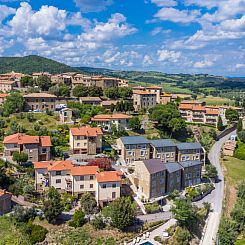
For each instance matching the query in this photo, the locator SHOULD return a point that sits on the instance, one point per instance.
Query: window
(187, 158)
(142, 153)
(158, 155)
(58, 172)
(167, 155)
(78, 144)
(91, 186)
(81, 178)
(197, 157)
(58, 181)
(81, 186)
(78, 137)
(182, 158)
(104, 186)
(130, 153)
(91, 177)
(113, 194)
(114, 185)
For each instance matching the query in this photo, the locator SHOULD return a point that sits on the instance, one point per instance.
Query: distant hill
(32, 63)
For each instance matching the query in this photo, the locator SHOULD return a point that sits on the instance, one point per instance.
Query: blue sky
(172, 36)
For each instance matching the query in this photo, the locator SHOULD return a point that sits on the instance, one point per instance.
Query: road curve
(213, 221)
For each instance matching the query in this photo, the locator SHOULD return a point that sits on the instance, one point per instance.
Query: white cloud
(165, 3)
(203, 64)
(234, 25)
(168, 55)
(5, 11)
(175, 15)
(239, 66)
(147, 60)
(93, 5)
(158, 30)
(47, 21)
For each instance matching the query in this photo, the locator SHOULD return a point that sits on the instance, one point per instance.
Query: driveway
(212, 225)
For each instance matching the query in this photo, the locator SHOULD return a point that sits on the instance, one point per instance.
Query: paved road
(211, 228)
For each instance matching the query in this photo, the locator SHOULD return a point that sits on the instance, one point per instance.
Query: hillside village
(88, 145)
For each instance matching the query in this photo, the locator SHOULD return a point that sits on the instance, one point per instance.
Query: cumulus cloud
(165, 3)
(168, 55)
(239, 66)
(93, 5)
(158, 30)
(203, 64)
(5, 11)
(175, 15)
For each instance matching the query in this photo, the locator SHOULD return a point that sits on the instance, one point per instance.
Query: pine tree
(220, 124)
(239, 125)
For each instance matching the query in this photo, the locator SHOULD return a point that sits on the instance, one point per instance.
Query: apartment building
(40, 102)
(7, 86)
(154, 179)
(133, 148)
(5, 202)
(166, 98)
(36, 147)
(174, 176)
(163, 149)
(90, 100)
(106, 121)
(86, 140)
(150, 178)
(190, 152)
(61, 79)
(66, 116)
(77, 180)
(3, 98)
(155, 89)
(191, 172)
(36, 75)
(108, 186)
(144, 100)
(11, 76)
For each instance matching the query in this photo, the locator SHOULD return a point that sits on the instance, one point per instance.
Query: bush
(21, 214)
(98, 222)
(37, 233)
(240, 151)
(152, 208)
(78, 219)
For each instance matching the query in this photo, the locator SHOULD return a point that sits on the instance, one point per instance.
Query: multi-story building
(40, 102)
(90, 100)
(166, 98)
(144, 100)
(106, 121)
(174, 177)
(150, 178)
(190, 152)
(163, 149)
(133, 148)
(198, 114)
(157, 90)
(7, 86)
(2, 98)
(61, 79)
(36, 147)
(191, 172)
(5, 202)
(77, 180)
(66, 116)
(36, 75)
(86, 140)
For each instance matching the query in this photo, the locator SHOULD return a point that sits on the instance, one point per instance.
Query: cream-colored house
(144, 100)
(86, 140)
(106, 121)
(67, 177)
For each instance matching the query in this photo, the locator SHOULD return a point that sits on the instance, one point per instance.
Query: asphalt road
(211, 229)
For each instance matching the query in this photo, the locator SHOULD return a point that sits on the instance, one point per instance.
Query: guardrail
(226, 131)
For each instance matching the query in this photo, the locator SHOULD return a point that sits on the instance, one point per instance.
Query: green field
(210, 100)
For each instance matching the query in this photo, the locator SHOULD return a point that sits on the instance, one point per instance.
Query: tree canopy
(231, 115)
(14, 103)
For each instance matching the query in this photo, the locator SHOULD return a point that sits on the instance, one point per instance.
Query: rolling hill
(32, 63)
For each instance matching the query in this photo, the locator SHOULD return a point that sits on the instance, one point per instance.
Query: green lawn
(210, 100)
(234, 169)
(9, 234)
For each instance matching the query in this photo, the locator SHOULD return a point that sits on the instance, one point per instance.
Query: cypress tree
(220, 124)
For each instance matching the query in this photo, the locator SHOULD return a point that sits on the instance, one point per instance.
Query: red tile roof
(3, 192)
(46, 164)
(39, 95)
(20, 139)
(107, 117)
(108, 176)
(198, 108)
(3, 95)
(212, 112)
(84, 170)
(60, 165)
(185, 106)
(86, 131)
(144, 92)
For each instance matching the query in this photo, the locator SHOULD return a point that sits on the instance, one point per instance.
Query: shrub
(98, 222)
(240, 151)
(37, 233)
(152, 208)
(78, 219)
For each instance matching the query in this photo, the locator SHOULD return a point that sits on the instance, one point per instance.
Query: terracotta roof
(109, 102)
(39, 95)
(144, 92)
(27, 139)
(7, 82)
(154, 87)
(138, 87)
(198, 108)
(46, 164)
(84, 170)
(86, 131)
(3, 95)
(108, 176)
(60, 165)
(185, 106)
(166, 95)
(90, 99)
(212, 112)
(106, 117)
